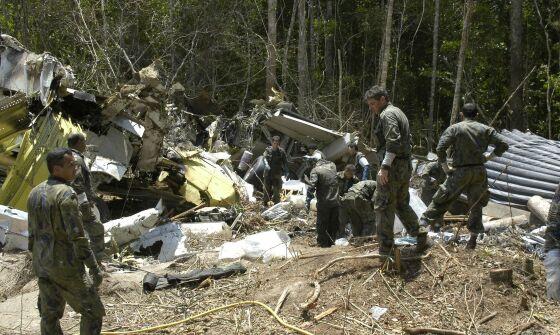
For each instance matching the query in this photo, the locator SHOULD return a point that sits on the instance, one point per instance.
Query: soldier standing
(275, 164)
(360, 162)
(468, 141)
(356, 206)
(323, 182)
(393, 178)
(60, 251)
(86, 196)
(552, 248)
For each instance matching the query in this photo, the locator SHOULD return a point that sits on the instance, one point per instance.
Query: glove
(489, 156)
(96, 276)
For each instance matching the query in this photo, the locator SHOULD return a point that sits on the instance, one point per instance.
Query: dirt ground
(448, 289)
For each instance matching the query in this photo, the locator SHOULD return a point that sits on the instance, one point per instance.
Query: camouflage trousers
(94, 229)
(393, 198)
(359, 212)
(78, 291)
(471, 180)
(272, 189)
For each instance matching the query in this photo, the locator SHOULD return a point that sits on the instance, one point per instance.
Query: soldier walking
(60, 251)
(323, 182)
(468, 141)
(393, 179)
(275, 165)
(86, 196)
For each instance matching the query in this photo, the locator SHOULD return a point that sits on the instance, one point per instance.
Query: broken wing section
(30, 167)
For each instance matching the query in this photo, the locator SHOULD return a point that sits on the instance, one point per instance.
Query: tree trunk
(303, 66)
(548, 63)
(386, 45)
(469, 8)
(171, 28)
(518, 118)
(434, 74)
(271, 48)
(329, 44)
(285, 68)
(397, 52)
(312, 44)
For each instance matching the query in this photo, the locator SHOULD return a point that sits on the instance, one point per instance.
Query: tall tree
(435, 37)
(469, 8)
(285, 67)
(329, 42)
(386, 45)
(518, 118)
(303, 65)
(271, 48)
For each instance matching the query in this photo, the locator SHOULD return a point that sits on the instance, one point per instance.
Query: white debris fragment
(269, 245)
(377, 312)
(13, 228)
(129, 228)
(172, 238)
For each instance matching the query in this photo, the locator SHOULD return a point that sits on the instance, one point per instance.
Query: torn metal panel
(112, 152)
(129, 125)
(13, 115)
(210, 179)
(30, 73)
(30, 168)
(300, 129)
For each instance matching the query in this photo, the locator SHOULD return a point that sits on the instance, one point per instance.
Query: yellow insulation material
(30, 167)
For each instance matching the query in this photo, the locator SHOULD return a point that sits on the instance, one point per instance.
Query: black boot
(471, 244)
(423, 242)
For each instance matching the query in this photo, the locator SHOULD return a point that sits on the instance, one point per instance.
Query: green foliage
(220, 46)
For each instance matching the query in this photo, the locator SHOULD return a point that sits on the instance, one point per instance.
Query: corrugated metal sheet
(530, 167)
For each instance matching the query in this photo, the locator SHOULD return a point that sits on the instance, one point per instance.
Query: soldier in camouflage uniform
(60, 251)
(393, 179)
(468, 141)
(360, 162)
(275, 165)
(86, 196)
(346, 179)
(323, 181)
(356, 207)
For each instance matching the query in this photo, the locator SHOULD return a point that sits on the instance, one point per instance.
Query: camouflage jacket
(469, 141)
(56, 232)
(552, 234)
(345, 184)
(393, 133)
(276, 161)
(324, 182)
(363, 189)
(82, 182)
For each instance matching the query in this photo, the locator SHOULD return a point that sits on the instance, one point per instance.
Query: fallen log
(518, 220)
(422, 330)
(521, 328)
(539, 207)
(281, 300)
